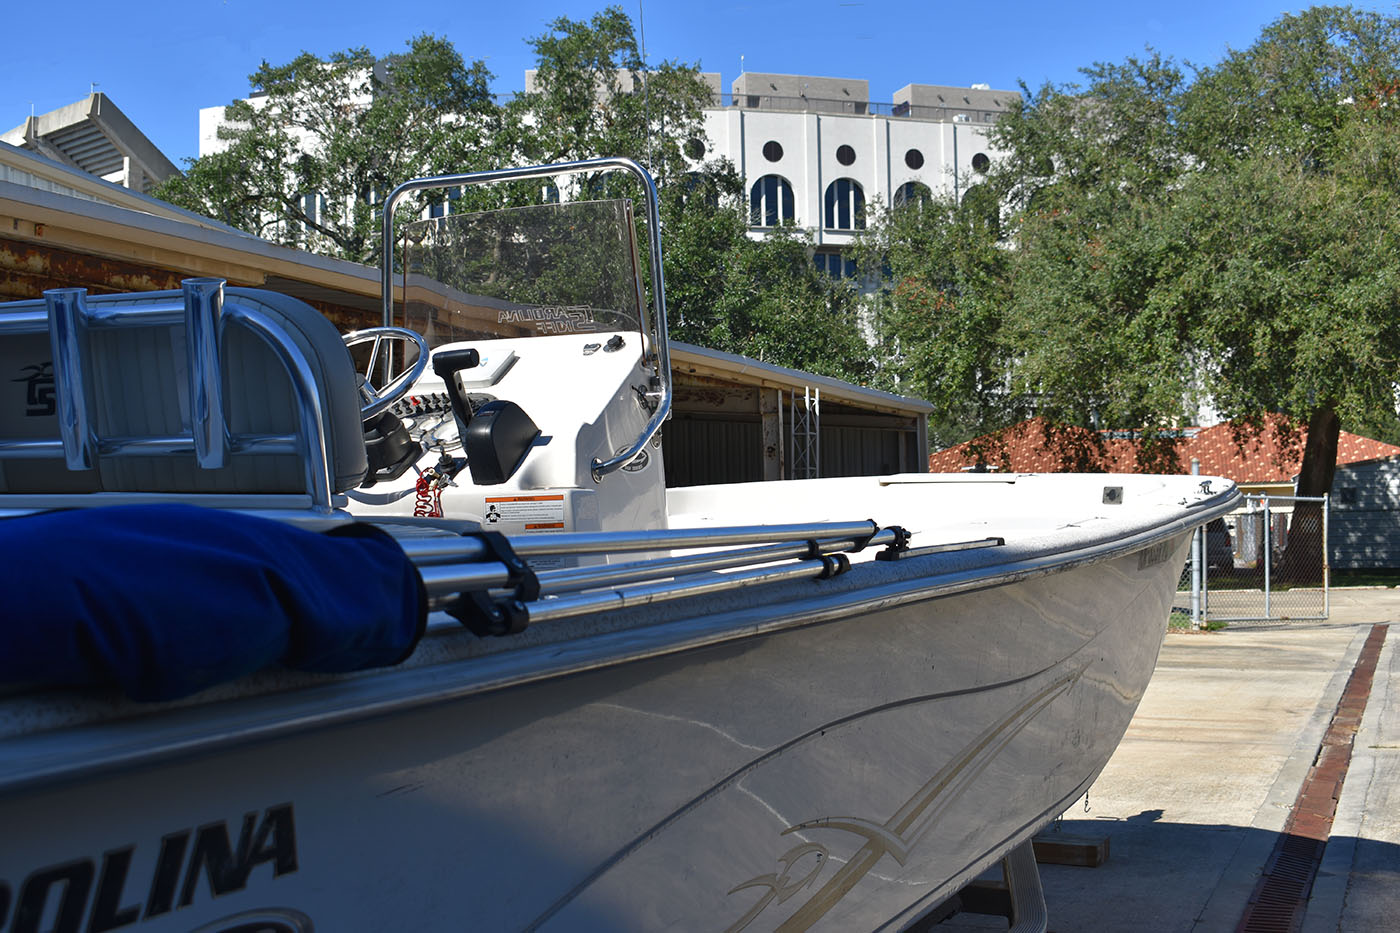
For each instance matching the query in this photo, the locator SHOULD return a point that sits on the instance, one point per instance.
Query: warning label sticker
(536, 512)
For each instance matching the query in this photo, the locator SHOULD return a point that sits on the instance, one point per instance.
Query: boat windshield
(525, 271)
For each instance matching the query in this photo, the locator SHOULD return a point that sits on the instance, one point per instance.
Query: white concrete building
(817, 150)
(93, 136)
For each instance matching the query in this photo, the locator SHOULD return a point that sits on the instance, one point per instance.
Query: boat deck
(1198, 794)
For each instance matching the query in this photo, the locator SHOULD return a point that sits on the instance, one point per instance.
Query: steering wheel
(377, 400)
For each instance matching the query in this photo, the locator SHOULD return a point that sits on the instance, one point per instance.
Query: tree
(595, 95)
(312, 155)
(782, 309)
(939, 317)
(1094, 175)
(1289, 233)
(1033, 296)
(351, 123)
(1233, 236)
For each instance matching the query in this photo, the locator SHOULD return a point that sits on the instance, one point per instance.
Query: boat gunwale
(161, 732)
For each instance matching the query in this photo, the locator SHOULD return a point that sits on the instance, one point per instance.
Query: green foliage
(760, 298)
(703, 222)
(784, 310)
(1289, 94)
(939, 320)
(346, 131)
(1093, 345)
(595, 96)
(1288, 227)
(352, 129)
(1235, 235)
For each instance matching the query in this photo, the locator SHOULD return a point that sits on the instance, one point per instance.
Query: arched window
(845, 205)
(912, 192)
(770, 201)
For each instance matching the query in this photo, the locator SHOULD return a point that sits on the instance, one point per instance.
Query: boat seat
(278, 390)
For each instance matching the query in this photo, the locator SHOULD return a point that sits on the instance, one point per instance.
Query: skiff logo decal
(896, 837)
(39, 395)
(636, 465)
(65, 891)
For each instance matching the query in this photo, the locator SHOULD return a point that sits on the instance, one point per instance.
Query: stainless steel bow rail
(484, 579)
(206, 313)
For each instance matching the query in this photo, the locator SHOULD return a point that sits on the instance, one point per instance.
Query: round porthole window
(980, 163)
(772, 150)
(914, 159)
(694, 149)
(845, 155)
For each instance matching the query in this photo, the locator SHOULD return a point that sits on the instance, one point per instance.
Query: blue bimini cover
(165, 600)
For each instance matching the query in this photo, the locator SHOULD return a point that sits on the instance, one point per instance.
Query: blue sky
(160, 61)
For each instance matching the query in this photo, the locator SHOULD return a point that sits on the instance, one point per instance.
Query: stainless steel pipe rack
(474, 567)
(486, 577)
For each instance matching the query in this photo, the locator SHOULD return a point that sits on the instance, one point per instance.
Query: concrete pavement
(1194, 800)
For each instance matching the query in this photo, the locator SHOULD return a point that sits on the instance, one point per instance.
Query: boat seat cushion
(139, 388)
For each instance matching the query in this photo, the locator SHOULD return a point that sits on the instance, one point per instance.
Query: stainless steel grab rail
(662, 395)
(427, 551)
(444, 580)
(205, 314)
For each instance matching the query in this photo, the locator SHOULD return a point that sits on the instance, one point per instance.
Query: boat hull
(845, 773)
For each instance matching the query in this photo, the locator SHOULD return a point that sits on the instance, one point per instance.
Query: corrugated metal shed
(1364, 525)
(734, 421)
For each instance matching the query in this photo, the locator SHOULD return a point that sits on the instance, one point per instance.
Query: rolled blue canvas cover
(165, 600)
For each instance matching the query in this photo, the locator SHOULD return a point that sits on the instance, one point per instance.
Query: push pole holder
(484, 614)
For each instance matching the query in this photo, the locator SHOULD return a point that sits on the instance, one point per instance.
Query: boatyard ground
(1195, 799)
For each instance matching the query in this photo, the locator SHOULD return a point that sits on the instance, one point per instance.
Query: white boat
(815, 704)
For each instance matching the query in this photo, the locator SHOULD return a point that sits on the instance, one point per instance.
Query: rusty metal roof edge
(683, 353)
(235, 246)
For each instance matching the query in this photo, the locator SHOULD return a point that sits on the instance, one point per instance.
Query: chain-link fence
(1267, 561)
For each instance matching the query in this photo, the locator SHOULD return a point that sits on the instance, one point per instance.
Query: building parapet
(904, 109)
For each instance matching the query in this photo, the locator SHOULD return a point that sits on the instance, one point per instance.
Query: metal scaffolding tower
(806, 434)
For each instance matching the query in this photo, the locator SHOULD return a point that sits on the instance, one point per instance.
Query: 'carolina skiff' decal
(66, 890)
(567, 319)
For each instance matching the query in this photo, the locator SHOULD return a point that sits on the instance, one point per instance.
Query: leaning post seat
(206, 390)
